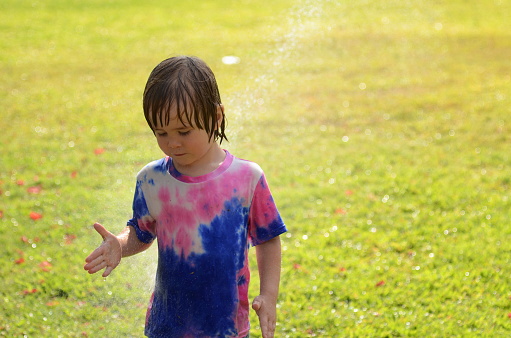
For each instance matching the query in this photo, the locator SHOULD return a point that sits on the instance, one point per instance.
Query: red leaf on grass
(34, 190)
(297, 266)
(349, 192)
(1, 213)
(52, 303)
(28, 291)
(35, 215)
(69, 238)
(20, 260)
(380, 283)
(24, 239)
(340, 211)
(99, 151)
(74, 174)
(20, 182)
(509, 315)
(45, 266)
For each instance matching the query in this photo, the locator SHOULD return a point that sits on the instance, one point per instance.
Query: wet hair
(189, 85)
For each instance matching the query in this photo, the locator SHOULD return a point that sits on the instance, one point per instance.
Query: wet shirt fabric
(204, 226)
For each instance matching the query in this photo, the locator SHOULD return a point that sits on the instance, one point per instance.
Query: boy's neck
(211, 161)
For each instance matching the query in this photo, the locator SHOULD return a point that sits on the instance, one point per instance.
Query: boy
(204, 206)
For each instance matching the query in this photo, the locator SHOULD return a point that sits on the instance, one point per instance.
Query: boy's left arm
(268, 263)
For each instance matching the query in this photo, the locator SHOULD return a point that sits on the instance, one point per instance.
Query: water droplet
(230, 60)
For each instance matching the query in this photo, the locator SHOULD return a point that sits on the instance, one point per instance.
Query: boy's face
(189, 146)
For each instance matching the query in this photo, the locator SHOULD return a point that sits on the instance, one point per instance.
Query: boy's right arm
(108, 255)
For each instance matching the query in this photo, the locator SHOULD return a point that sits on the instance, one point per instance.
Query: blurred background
(382, 126)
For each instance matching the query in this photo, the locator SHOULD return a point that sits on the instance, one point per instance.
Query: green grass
(383, 127)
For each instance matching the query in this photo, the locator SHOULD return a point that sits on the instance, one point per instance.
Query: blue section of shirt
(198, 292)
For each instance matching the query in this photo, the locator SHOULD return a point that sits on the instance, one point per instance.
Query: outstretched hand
(107, 256)
(267, 313)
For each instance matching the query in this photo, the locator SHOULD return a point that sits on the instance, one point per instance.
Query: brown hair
(188, 84)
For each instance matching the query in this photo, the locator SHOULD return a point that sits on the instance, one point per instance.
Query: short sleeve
(265, 222)
(142, 221)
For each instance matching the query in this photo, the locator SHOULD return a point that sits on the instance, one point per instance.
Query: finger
(94, 255)
(264, 328)
(101, 230)
(271, 329)
(107, 272)
(268, 330)
(98, 267)
(256, 304)
(96, 261)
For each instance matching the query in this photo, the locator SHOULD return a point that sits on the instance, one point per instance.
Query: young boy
(204, 206)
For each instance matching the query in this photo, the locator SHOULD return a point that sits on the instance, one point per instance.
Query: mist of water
(302, 21)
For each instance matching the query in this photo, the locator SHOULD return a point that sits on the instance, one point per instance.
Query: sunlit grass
(383, 127)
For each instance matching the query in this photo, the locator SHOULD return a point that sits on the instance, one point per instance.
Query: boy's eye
(184, 133)
(161, 134)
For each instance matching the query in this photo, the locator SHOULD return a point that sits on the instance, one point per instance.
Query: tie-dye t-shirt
(203, 226)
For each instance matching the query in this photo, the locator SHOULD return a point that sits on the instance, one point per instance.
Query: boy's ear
(219, 115)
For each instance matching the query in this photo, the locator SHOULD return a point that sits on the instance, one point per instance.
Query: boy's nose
(173, 143)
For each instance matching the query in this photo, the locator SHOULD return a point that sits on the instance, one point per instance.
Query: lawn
(383, 128)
